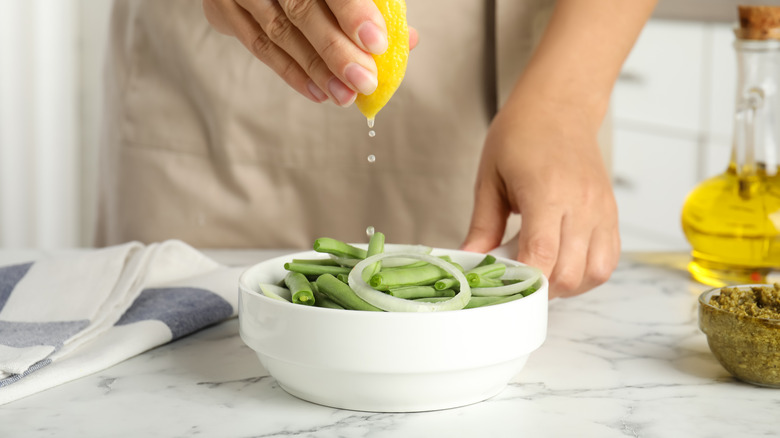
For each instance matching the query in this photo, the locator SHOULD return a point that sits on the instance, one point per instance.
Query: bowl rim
(704, 296)
(244, 287)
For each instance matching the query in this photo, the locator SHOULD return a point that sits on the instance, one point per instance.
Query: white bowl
(389, 362)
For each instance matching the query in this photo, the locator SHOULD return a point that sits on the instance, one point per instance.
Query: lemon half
(391, 65)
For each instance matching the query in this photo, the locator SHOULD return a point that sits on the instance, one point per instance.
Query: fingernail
(344, 95)
(372, 37)
(362, 79)
(319, 95)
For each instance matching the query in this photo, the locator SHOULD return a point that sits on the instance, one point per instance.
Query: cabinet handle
(621, 182)
(631, 77)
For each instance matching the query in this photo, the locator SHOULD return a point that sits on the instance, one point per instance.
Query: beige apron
(204, 143)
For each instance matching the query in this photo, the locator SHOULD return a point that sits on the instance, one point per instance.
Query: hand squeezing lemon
(391, 65)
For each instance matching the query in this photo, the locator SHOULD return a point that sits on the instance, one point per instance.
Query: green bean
(535, 287)
(325, 262)
(447, 283)
(276, 292)
(416, 264)
(322, 300)
(413, 292)
(480, 281)
(477, 301)
(299, 288)
(448, 259)
(480, 276)
(338, 248)
(423, 275)
(376, 245)
(493, 270)
(488, 260)
(474, 277)
(324, 282)
(342, 294)
(308, 269)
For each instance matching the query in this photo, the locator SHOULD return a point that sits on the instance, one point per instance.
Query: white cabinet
(721, 97)
(661, 83)
(672, 108)
(652, 177)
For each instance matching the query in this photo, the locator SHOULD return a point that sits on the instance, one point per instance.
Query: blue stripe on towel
(16, 377)
(30, 334)
(183, 309)
(9, 277)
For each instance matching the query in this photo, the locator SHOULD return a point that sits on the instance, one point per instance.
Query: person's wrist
(553, 108)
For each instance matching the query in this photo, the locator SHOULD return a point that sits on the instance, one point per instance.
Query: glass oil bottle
(732, 220)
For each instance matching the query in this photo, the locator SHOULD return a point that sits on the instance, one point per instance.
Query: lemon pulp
(391, 65)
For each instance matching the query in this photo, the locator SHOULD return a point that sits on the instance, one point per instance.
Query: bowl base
(382, 408)
(385, 392)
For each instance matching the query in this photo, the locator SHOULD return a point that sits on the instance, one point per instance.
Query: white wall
(93, 39)
(50, 68)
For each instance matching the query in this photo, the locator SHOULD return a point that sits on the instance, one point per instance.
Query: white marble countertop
(626, 359)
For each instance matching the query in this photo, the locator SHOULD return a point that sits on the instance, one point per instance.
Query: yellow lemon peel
(391, 65)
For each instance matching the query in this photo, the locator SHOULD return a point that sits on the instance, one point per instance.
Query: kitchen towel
(65, 317)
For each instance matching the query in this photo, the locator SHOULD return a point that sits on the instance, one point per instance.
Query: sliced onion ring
(528, 274)
(522, 272)
(390, 303)
(276, 292)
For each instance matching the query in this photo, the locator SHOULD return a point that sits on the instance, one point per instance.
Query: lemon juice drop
(372, 134)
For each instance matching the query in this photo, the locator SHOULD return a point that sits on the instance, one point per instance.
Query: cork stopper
(759, 23)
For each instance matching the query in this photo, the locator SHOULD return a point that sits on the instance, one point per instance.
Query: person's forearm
(582, 51)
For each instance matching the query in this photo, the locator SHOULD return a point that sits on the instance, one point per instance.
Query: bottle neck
(757, 117)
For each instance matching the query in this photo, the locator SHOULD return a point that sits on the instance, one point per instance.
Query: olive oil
(732, 220)
(733, 225)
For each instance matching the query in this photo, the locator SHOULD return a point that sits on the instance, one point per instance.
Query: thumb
(488, 219)
(414, 38)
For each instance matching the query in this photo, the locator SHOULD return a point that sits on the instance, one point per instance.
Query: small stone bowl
(748, 347)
